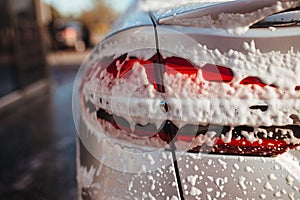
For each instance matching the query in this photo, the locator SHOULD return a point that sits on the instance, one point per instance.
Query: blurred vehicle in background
(71, 35)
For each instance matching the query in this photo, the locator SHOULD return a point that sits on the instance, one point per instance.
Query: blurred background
(42, 45)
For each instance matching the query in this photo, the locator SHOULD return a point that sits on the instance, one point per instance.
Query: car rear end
(196, 101)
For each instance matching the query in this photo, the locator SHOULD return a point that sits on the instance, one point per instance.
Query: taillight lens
(216, 73)
(122, 66)
(177, 65)
(156, 67)
(251, 80)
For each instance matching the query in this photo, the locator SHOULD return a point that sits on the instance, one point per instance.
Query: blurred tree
(52, 27)
(54, 13)
(98, 19)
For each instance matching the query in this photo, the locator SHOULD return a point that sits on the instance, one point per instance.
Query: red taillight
(125, 70)
(69, 33)
(112, 68)
(251, 80)
(216, 73)
(175, 65)
(171, 65)
(271, 145)
(156, 68)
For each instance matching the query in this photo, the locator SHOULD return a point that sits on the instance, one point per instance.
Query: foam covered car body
(193, 100)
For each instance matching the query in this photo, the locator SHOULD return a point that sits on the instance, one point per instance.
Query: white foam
(166, 6)
(136, 99)
(234, 23)
(86, 176)
(199, 101)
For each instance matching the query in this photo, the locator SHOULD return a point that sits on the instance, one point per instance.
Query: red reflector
(252, 80)
(297, 88)
(215, 73)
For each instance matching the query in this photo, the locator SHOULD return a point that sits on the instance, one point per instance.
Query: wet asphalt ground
(38, 139)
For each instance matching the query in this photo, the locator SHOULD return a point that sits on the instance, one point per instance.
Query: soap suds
(86, 176)
(234, 23)
(194, 102)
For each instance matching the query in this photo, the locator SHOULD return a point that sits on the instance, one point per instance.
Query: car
(192, 100)
(71, 34)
